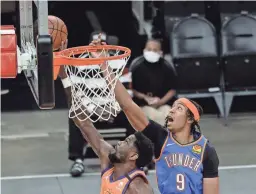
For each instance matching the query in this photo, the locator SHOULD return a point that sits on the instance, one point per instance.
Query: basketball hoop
(92, 96)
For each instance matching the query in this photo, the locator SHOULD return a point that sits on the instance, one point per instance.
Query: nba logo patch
(197, 149)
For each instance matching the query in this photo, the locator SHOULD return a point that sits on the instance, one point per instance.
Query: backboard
(38, 44)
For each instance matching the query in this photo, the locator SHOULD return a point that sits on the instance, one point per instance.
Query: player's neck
(183, 137)
(122, 169)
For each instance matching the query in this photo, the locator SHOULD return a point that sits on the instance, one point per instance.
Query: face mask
(151, 56)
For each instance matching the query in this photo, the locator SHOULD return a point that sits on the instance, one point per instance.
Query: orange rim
(65, 57)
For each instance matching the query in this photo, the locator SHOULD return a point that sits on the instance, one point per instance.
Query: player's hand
(64, 45)
(62, 72)
(98, 52)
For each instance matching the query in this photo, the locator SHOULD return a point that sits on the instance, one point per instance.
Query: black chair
(183, 8)
(235, 7)
(168, 13)
(174, 11)
(195, 56)
(238, 54)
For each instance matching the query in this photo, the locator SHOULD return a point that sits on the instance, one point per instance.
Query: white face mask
(151, 56)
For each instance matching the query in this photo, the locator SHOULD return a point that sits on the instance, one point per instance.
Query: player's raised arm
(133, 112)
(90, 133)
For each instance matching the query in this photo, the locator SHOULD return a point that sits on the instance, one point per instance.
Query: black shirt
(157, 134)
(154, 79)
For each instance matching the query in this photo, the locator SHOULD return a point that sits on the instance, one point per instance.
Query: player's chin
(173, 128)
(113, 158)
(170, 125)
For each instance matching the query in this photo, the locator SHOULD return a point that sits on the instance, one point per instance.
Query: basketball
(58, 30)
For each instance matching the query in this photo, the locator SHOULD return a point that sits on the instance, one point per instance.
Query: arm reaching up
(89, 132)
(133, 112)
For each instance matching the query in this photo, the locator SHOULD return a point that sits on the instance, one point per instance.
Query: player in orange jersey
(120, 165)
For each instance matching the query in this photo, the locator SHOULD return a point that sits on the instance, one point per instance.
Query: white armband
(66, 82)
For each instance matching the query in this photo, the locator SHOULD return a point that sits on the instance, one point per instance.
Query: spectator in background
(153, 82)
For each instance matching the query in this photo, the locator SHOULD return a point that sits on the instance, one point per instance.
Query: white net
(92, 87)
(28, 61)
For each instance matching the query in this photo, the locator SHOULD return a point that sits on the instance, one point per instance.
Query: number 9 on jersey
(180, 182)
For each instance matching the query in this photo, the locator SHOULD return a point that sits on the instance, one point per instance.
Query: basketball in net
(93, 79)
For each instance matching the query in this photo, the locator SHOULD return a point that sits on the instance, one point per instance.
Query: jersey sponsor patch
(197, 149)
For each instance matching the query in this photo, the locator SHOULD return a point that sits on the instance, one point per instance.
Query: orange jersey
(108, 186)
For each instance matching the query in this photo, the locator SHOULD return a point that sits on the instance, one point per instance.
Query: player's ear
(190, 119)
(134, 156)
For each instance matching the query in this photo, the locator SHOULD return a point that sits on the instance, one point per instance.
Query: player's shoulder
(139, 185)
(209, 147)
(210, 161)
(208, 144)
(209, 151)
(138, 180)
(198, 135)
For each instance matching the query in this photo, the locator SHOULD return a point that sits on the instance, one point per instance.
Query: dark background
(117, 19)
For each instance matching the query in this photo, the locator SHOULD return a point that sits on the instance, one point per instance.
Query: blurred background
(211, 49)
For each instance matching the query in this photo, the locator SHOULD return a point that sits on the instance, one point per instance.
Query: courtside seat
(235, 7)
(194, 51)
(239, 51)
(239, 56)
(168, 13)
(174, 11)
(195, 56)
